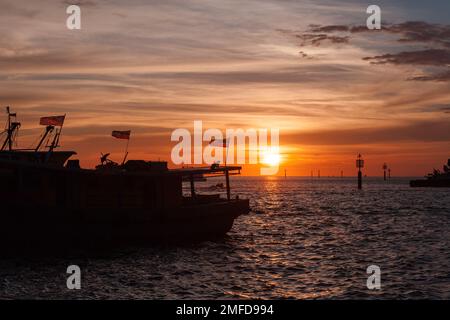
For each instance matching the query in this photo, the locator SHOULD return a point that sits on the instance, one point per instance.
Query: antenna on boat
(11, 129)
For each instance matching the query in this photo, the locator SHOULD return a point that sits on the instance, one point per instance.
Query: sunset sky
(310, 68)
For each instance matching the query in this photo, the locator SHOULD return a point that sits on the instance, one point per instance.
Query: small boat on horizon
(49, 201)
(436, 179)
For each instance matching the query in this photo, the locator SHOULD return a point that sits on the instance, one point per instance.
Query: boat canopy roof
(213, 170)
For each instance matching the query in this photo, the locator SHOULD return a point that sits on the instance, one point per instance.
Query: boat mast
(48, 130)
(9, 129)
(51, 123)
(55, 142)
(12, 127)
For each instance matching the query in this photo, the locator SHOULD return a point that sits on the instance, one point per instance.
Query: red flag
(122, 134)
(223, 142)
(52, 121)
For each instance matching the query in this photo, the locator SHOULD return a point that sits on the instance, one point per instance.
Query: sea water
(304, 239)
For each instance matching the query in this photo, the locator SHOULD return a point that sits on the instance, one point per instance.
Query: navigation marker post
(359, 165)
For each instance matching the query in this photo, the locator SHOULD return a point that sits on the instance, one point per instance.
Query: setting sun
(271, 158)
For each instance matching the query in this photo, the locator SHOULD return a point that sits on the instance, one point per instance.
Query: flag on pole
(122, 134)
(52, 121)
(221, 143)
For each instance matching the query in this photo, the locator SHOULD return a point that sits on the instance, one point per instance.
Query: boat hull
(48, 228)
(53, 207)
(57, 158)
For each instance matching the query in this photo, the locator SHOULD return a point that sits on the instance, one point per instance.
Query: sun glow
(271, 158)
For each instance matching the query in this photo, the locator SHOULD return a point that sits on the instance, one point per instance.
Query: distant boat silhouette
(436, 179)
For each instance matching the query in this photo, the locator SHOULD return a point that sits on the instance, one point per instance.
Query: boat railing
(189, 174)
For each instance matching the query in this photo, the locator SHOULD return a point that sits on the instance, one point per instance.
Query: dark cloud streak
(430, 57)
(435, 36)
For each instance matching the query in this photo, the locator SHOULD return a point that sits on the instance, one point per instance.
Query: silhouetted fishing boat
(436, 179)
(49, 140)
(48, 201)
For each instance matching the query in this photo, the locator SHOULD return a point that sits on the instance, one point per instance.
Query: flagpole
(226, 153)
(126, 151)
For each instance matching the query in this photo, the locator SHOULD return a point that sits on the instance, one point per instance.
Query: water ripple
(303, 240)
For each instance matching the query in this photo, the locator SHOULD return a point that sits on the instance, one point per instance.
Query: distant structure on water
(359, 165)
(436, 179)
